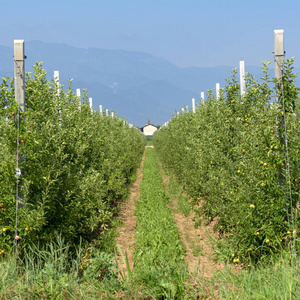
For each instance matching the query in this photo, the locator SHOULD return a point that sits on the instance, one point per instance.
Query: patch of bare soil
(198, 241)
(126, 232)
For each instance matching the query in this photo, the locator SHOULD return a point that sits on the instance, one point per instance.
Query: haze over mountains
(136, 85)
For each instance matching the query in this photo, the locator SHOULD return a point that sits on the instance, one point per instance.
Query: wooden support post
(19, 67)
(217, 90)
(242, 78)
(194, 105)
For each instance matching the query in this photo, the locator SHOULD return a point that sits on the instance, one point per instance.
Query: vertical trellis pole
(217, 90)
(78, 94)
(91, 104)
(202, 96)
(279, 55)
(100, 110)
(242, 78)
(19, 58)
(194, 105)
(19, 68)
(19, 82)
(56, 80)
(279, 65)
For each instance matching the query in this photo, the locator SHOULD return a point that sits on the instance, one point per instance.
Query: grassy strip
(149, 140)
(159, 252)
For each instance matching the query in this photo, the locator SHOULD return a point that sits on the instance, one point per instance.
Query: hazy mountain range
(136, 85)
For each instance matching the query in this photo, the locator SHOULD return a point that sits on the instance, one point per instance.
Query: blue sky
(185, 32)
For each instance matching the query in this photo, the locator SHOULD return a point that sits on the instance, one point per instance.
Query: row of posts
(279, 54)
(19, 70)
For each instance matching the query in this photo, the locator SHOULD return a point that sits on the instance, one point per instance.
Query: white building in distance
(148, 129)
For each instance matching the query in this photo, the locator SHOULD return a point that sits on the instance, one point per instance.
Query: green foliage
(78, 164)
(229, 156)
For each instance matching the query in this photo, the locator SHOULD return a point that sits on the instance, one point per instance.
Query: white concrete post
(279, 56)
(218, 90)
(107, 112)
(19, 83)
(279, 65)
(19, 67)
(100, 110)
(91, 104)
(194, 105)
(242, 78)
(112, 114)
(56, 80)
(78, 95)
(202, 97)
(279, 52)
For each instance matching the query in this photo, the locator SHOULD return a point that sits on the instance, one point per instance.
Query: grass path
(149, 236)
(159, 237)
(156, 230)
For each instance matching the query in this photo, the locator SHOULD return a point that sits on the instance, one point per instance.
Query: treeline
(234, 162)
(76, 164)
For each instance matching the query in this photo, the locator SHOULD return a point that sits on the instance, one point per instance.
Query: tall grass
(278, 280)
(55, 272)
